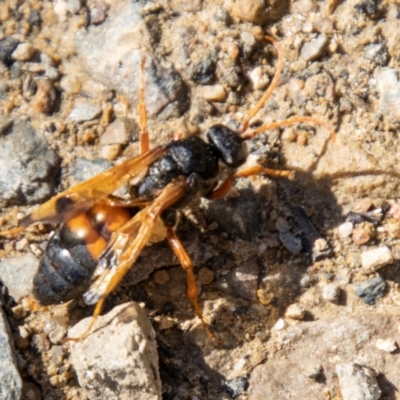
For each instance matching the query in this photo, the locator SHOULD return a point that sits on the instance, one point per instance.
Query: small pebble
(360, 235)
(294, 311)
(387, 345)
(345, 229)
(314, 372)
(362, 205)
(395, 210)
(259, 79)
(84, 111)
(315, 48)
(370, 290)
(23, 52)
(377, 53)
(279, 325)
(213, 93)
(373, 259)
(331, 293)
(290, 242)
(70, 84)
(161, 277)
(110, 151)
(393, 228)
(119, 131)
(205, 276)
(57, 335)
(45, 97)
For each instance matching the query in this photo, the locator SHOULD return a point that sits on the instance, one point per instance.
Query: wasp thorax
(229, 145)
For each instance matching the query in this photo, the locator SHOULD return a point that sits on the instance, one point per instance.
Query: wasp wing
(127, 243)
(86, 194)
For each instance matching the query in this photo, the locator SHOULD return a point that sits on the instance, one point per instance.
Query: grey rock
(371, 290)
(331, 293)
(84, 111)
(315, 48)
(388, 86)
(118, 359)
(377, 52)
(357, 382)
(81, 169)
(112, 53)
(17, 274)
(28, 166)
(204, 71)
(346, 339)
(290, 242)
(7, 47)
(120, 131)
(11, 382)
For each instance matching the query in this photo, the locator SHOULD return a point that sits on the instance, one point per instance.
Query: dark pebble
(371, 290)
(7, 46)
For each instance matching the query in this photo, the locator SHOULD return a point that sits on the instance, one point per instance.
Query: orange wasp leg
(187, 264)
(141, 108)
(224, 188)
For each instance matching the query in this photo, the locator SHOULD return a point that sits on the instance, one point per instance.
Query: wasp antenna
(272, 86)
(144, 134)
(292, 121)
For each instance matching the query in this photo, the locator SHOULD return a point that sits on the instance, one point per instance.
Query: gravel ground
(299, 279)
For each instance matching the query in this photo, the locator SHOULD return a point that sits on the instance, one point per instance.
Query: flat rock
(11, 382)
(17, 274)
(330, 343)
(357, 382)
(118, 359)
(113, 51)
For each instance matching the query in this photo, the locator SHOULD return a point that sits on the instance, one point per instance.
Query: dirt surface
(297, 278)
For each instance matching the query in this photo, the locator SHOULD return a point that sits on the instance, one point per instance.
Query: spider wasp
(100, 236)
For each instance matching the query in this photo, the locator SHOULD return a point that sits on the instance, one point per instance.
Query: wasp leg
(96, 313)
(187, 264)
(13, 232)
(224, 188)
(271, 87)
(291, 121)
(144, 134)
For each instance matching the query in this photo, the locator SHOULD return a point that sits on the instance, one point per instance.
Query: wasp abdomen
(66, 269)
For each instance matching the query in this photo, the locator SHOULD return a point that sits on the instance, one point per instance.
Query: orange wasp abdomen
(72, 254)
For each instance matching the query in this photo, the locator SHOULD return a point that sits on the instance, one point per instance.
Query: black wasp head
(228, 144)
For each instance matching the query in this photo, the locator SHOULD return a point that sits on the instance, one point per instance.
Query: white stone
(372, 260)
(294, 311)
(345, 229)
(258, 78)
(213, 93)
(331, 293)
(23, 52)
(279, 325)
(387, 345)
(121, 347)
